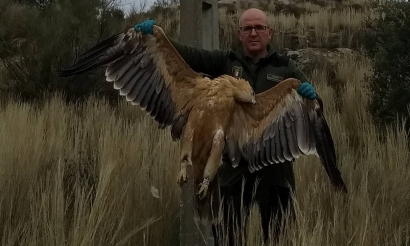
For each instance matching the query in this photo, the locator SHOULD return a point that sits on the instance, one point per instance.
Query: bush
(38, 38)
(386, 40)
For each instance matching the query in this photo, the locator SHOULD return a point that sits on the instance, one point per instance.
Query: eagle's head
(243, 91)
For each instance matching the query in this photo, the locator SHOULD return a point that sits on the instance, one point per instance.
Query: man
(258, 63)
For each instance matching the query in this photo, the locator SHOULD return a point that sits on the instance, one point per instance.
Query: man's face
(254, 33)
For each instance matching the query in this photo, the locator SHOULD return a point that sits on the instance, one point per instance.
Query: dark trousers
(272, 200)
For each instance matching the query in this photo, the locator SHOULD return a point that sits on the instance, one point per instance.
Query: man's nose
(253, 32)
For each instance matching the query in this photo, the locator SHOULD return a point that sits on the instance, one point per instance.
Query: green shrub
(386, 41)
(37, 40)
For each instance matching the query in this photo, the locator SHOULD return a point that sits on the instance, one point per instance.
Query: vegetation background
(80, 166)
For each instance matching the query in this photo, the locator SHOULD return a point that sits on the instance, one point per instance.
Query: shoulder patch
(237, 71)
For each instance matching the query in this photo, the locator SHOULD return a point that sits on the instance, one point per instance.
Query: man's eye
(259, 28)
(247, 28)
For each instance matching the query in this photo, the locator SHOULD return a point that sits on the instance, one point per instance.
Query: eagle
(214, 117)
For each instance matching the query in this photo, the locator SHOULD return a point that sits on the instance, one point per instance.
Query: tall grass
(82, 175)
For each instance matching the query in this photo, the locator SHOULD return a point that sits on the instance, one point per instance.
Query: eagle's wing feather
(148, 71)
(280, 127)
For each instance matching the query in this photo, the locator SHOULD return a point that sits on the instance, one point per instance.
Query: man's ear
(270, 32)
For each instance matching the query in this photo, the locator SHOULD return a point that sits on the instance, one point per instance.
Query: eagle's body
(203, 139)
(212, 117)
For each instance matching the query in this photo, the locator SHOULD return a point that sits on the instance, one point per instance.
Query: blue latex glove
(145, 27)
(306, 90)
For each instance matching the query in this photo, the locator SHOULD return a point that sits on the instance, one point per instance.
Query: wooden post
(199, 28)
(199, 23)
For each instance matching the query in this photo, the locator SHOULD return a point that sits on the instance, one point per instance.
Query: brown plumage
(212, 117)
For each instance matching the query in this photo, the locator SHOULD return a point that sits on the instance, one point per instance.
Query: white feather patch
(155, 192)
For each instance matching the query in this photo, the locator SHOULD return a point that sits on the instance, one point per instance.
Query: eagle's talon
(182, 178)
(203, 189)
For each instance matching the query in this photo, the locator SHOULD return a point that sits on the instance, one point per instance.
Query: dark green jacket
(262, 75)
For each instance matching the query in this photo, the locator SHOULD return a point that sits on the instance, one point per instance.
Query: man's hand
(306, 90)
(145, 27)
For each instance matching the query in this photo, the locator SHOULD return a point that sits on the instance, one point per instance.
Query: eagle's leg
(212, 164)
(186, 151)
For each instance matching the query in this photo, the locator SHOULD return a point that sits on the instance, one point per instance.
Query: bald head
(254, 32)
(253, 14)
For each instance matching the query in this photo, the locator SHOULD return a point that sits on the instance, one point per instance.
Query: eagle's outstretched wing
(280, 127)
(148, 71)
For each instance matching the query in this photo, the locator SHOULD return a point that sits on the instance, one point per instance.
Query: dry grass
(83, 176)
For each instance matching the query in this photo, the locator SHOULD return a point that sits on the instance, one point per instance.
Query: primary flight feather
(212, 117)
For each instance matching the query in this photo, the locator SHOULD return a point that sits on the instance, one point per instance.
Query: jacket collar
(240, 53)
